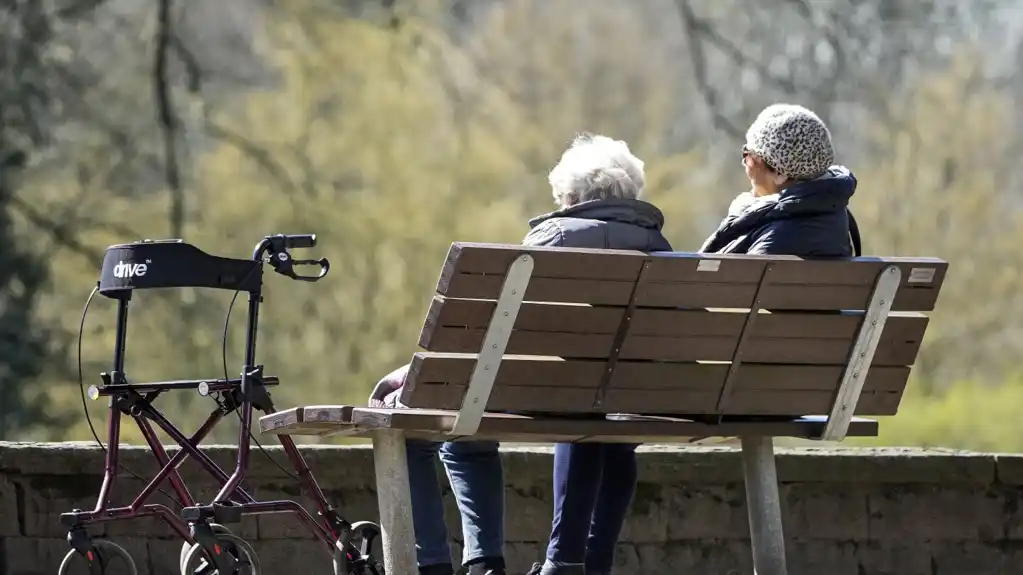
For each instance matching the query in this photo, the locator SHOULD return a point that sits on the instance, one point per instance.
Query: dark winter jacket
(601, 224)
(810, 219)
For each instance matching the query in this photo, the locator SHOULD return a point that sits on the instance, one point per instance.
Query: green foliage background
(390, 136)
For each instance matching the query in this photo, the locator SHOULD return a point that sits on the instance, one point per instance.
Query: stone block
(956, 558)
(931, 512)
(885, 465)
(717, 557)
(277, 525)
(894, 557)
(825, 511)
(163, 556)
(822, 556)
(46, 497)
(356, 471)
(294, 556)
(11, 508)
(68, 458)
(648, 520)
(707, 512)
(32, 556)
(521, 556)
(528, 468)
(680, 466)
(528, 515)
(1009, 469)
(354, 505)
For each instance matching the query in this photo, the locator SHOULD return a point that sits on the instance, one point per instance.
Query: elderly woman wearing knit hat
(799, 201)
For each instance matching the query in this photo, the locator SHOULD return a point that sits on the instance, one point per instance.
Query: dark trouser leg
(432, 548)
(577, 475)
(617, 488)
(477, 480)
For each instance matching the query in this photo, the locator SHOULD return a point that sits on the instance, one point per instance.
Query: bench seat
(614, 428)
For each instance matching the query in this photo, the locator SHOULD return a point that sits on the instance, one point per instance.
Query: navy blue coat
(601, 224)
(809, 219)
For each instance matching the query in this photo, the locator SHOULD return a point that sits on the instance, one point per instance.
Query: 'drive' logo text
(130, 270)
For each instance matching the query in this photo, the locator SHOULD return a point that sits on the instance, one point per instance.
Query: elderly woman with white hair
(597, 186)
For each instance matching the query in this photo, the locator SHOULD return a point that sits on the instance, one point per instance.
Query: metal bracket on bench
(862, 353)
(619, 339)
(740, 346)
(513, 290)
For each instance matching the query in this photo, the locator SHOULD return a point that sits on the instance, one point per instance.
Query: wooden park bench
(521, 344)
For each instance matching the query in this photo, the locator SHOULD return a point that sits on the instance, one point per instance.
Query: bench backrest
(606, 331)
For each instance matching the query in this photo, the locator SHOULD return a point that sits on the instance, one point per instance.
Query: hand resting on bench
(387, 392)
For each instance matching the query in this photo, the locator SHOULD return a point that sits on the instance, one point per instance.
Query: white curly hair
(596, 167)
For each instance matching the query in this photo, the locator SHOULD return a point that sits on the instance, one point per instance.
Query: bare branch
(167, 118)
(260, 156)
(62, 233)
(711, 98)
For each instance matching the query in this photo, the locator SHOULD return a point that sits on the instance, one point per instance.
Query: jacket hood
(632, 212)
(828, 193)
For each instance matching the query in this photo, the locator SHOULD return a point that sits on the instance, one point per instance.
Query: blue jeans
(477, 480)
(593, 488)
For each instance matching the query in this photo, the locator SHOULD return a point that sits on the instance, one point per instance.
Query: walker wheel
(106, 558)
(186, 546)
(196, 562)
(358, 555)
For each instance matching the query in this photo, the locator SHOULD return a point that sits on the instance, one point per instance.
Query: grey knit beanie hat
(793, 140)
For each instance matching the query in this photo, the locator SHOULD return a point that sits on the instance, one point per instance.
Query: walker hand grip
(300, 241)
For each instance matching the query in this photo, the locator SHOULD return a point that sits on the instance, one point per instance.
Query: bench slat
(680, 401)
(458, 326)
(454, 369)
(606, 277)
(642, 430)
(309, 420)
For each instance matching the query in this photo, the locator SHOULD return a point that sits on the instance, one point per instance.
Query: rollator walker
(209, 545)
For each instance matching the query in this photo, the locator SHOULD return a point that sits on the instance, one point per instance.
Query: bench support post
(394, 497)
(764, 504)
(862, 354)
(499, 331)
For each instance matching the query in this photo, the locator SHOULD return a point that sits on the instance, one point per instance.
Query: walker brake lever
(283, 264)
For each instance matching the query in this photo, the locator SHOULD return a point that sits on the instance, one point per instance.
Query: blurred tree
(23, 343)
(934, 184)
(391, 128)
(29, 114)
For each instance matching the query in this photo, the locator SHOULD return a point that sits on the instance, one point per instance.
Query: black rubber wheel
(364, 545)
(111, 557)
(248, 563)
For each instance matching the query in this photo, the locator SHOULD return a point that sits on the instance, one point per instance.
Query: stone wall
(847, 512)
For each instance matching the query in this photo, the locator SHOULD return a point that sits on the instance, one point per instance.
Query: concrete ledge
(847, 511)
